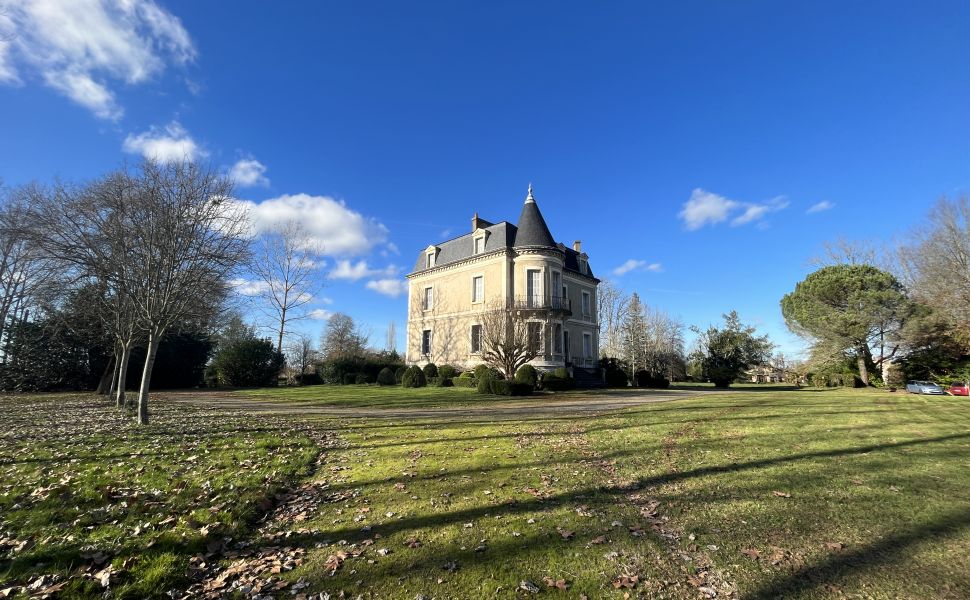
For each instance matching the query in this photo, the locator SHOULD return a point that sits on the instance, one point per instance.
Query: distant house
(765, 374)
(519, 267)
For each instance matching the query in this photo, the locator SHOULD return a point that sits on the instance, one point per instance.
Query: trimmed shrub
(485, 381)
(481, 370)
(386, 377)
(558, 381)
(430, 370)
(399, 374)
(464, 382)
(349, 379)
(504, 387)
(444, 382)
(447, 371)
(414, 378)
(361, 378)
(527, 375)
(467, 375)
(308, 379)
(646, 379)
(616, 378)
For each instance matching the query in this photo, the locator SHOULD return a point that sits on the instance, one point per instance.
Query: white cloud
(345, 269)
(334, 229)
(320, 314)
(81, 47)
(248, 172)
(820, 207)
(706, 208)
(249, 287)
(167, 144)
(637, 265)
(388, 287)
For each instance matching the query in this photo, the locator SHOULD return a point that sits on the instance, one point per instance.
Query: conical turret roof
(532, 228)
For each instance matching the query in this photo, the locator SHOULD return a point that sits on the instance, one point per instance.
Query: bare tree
(302, 355)
(935, 265)
(843, 251)
(22, 269)
(390, 343)
(342, 337)
(612, 305)
(184, 238)
(507, 340)
(285, 265)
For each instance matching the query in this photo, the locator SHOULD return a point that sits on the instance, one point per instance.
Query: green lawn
(371, 396)
(87, 495)
(873, 500)
(758, 493)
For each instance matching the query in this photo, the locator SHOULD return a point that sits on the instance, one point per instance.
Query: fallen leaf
(752, 553)
(555, 583)
(528, 586)
(781, 494)
(566, 533)
(626, 581)
(834, 545)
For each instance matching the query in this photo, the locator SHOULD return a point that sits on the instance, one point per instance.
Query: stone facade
(517, 267)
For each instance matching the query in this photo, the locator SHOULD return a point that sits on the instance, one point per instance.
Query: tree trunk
(122, 375)
(107, 378)
(863, 371)
(146, 377)
(113, 390)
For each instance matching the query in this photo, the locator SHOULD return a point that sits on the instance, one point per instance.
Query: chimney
(475, 222)
(578, 246)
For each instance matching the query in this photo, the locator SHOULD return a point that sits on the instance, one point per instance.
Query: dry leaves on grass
(626, 581)
(778, 494)
(560, 584)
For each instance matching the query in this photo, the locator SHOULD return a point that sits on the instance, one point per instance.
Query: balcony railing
(550, 303)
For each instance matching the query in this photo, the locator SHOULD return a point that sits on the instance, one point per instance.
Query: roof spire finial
(529, 198)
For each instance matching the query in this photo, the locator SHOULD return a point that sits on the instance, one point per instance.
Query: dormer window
(479, 244)
(430, 260)
(583, 265)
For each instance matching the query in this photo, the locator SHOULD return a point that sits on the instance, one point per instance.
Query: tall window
(428, 301)
(535, 337)
(430, 260)
(586, 305)
(426, 341)
(476, 339)
(533, 284)
(557, 339)
(478, 288)
(587, 346)
(479, 245)
(556, 282)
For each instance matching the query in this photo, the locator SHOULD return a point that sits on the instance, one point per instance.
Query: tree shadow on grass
(846, 564)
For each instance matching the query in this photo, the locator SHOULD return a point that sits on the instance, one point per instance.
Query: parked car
(959, 388)
(923, 387)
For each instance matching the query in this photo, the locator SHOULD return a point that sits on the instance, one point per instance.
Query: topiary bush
(447, 371)
(504, 387)
(485, 381)
(414, 378)
(527, 375)
(386, 377)
(444, 382)
(556, 383)
(399, 374)
(430, 370)
(465, 382)
(481, 370)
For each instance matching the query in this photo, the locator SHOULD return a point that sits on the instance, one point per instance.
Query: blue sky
(693, 138)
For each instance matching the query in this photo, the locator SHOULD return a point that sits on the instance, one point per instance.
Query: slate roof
(531, 231)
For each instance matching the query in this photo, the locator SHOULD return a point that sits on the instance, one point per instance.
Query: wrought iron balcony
(541, 303)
